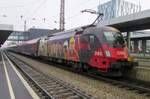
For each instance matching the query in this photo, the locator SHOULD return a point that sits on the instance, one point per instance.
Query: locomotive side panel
(63, 48)
(55, 48)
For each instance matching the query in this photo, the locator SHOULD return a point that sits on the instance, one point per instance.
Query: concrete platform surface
(11, 85)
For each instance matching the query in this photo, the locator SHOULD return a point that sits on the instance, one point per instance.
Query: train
(89, 48)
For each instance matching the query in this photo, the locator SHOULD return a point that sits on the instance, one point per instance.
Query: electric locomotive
(99, 48)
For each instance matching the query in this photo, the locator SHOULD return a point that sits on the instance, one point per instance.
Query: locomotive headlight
(107, 53)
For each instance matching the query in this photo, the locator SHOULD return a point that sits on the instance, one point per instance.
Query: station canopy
(5, 31)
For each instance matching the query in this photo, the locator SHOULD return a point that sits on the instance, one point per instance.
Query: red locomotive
(97, 48)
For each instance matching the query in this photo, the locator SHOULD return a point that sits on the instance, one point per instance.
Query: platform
(12, 84)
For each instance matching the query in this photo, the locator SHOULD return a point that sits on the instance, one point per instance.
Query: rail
(141, 87)
(49, 86)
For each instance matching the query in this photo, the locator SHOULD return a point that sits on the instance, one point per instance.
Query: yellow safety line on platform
(30, 90)
(12, 95)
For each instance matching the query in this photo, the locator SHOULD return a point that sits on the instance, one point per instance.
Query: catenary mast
(62, 14)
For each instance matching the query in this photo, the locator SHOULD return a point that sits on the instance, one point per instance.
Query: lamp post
(25, 23)
(25, 27)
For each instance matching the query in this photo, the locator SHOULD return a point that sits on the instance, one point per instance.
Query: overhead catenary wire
(35, 11)
(28, 15)
(27, 12)
(81, 4)
(78, 14)
(73, 16)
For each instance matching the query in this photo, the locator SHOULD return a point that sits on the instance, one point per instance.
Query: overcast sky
(34, 12)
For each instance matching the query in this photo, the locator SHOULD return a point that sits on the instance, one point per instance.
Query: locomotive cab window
(114, 39)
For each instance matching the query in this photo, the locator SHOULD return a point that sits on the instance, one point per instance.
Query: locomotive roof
(86, 29)
(71, 30)
(105, 28)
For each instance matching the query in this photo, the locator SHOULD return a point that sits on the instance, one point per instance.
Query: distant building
(116, 8)
(21, 36)
(35, 33)
(18, 36)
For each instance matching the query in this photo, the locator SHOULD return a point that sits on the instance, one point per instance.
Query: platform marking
(27, 86)
(12, 95)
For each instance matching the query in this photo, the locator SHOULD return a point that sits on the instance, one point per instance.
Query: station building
(117, 8)
(17, 37)
(140, 40)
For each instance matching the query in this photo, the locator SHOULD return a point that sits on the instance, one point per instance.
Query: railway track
(139, 87)
(49, 87)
